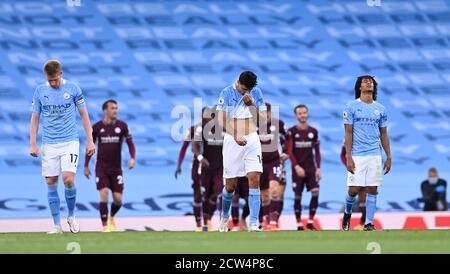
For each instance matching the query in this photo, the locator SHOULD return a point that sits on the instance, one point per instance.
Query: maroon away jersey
(109, 144)
(212, 145)
(272, 137)
(303, 143)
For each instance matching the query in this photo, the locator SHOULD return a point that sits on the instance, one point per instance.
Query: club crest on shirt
(66, 95)
(310, 135)
(272, 128)
(376, 112)
(297, 135)
(117, 130)
(102, 130)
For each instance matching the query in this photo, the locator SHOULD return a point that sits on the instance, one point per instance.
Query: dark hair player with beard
(109, 134)
(304, 152)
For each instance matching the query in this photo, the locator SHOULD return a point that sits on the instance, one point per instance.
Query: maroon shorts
(298, 183)
(271, 172)
(212, 182)
(109, 179)
(242, 187)
(195, 176)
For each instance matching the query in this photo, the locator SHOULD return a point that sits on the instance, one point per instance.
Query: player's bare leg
(115, 206)
(227, 199)
(254, 199)
(54, 204)
(313, 208)
(349, 201)
(71, 194)
(371, 199)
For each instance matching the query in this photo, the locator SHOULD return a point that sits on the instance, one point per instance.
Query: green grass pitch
(388, 241)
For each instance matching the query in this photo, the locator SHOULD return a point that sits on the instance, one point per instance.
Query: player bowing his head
(238, 108)
(57, 101)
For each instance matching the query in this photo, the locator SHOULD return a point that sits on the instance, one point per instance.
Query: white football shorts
(240, 160)
(368, 171)
(57, 158)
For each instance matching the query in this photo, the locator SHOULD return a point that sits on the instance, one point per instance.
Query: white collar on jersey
(63, 81)
(359, 99)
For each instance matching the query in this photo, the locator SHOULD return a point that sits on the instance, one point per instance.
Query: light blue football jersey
(58, 111)
(231, 101)
(367, 119)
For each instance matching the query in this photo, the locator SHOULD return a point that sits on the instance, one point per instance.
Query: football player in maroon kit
(207, 149)
(195, 175)
(304, 152)
(271, 135)
(109, 134)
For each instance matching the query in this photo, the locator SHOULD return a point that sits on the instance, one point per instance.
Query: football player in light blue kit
(238, 108)
(365, 122)
(56, 102)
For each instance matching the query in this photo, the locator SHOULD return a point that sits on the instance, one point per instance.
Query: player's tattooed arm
(348, 148)
(34, 126)
(387, 149)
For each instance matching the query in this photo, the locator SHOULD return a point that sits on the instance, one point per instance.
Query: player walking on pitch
(195, 175)
(109, 134)
(365, 122)
(56, 102)
(238, 107)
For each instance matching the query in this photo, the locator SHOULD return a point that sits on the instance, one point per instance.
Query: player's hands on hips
(90, 148)
(350, 165)
(87, 172)
(131, 163)
(240, 140)
(318, 175)
(299, 171)
(177, 171)
(387, 165)
(205, 163)
(34, 150)
(248, 100)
